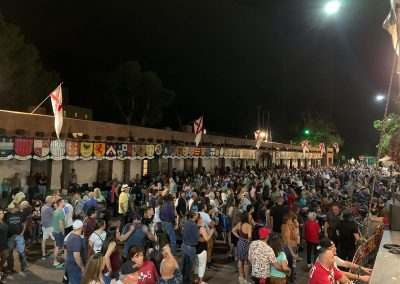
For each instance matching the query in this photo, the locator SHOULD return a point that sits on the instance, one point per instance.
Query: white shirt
(68, 212)
(97, 240)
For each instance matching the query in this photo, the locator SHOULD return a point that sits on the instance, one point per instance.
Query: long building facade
(100, 151)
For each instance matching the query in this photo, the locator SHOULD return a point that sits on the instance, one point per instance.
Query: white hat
(124, 187)
(77, 224)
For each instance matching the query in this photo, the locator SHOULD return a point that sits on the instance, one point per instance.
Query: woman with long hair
(243, 231)
(93, 268)
(290, 242)
(111, 256)
(279, 277)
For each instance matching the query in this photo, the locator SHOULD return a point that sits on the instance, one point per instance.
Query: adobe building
(100, 151)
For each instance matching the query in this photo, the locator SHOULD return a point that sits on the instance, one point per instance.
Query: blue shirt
(89, 203)
(191, 233)
(75, 244)
(167, 213)
(137, 238)
(276, 273)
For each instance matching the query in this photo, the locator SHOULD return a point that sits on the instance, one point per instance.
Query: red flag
(198, 129)
(304, 146)
(322, 148)
(56, 102)
(258, 137)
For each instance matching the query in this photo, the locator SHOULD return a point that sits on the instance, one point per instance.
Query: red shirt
(322, 275)
(312, 231)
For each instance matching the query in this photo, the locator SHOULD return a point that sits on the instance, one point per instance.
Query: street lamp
(379, 98)
(332, 7)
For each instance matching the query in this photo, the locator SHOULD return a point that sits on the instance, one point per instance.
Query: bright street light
(379, 98)
(332, 7)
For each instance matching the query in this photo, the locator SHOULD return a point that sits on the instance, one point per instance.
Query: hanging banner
(165, 151)
(191, 152)
(23, 148)
(99, 150)
(122, 151)
(179, 152)
(172, 151)
(185, 152)
(72, 150)
(216, 153)
(6, 148)
(132, 150)
(111, 151)
(86, 151)
(207, 152)
(158, 149)
(41, 149)
(221, 152)
(150, 151)
(57, 149)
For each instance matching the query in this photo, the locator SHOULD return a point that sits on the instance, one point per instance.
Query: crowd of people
(127, 233)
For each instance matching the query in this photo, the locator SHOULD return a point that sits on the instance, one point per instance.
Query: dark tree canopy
(138, 97)
(23, 80)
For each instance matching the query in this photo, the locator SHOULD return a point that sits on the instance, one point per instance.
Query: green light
(307, 132)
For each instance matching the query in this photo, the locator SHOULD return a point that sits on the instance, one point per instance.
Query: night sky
(223, 58)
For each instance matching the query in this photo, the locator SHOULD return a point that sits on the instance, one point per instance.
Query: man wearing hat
(261, 256)
(16, 221)
(76, 254)
(328, 244)
(123, 202)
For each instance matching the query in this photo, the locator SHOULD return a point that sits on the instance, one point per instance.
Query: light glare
(332, 7)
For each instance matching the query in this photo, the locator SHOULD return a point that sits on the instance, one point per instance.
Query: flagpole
(44, 100)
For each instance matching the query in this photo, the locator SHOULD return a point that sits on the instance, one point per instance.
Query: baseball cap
(264, 233)
(325, 243)
(124, 187)
(77, 224)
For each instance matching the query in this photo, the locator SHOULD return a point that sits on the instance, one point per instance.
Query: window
(145, 167)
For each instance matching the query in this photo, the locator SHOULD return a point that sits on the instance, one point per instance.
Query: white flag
(198, 129)
(304, 146)
(258, 138)
(322, 148)
(336, 146)
(56, 102)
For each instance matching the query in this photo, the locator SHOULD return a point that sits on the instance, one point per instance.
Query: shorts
(59, 237)
(48, 232)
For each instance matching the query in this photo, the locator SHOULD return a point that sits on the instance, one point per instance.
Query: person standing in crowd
(181, 209)
(279, 276)
(135, 234)
(59, 230)
(348, 235)
(16, 222)
(331, 222)
(68, 213)
(146, 271)
(112, 257)
(89, 224)
(73, 179)
(47, 214)
(36, 218)
(76, 254)
(243, 231)
(169, 268)
(90, 203)
(191, 237)
(201, 249)
(93, 268)
(262, 257)
(312, 237)
(276, 215)
(3, 242)
(78, 206)
(97, 238)
(324, 270)
(290, 242)
(5, 188)
(167, 216)
(42, 185)
(123, 205)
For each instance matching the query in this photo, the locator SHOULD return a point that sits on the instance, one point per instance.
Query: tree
(317, 130)
(138, 95)
(392, 126)
(23, 80)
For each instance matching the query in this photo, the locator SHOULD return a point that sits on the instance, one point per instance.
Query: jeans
(42, 191)
(74, 275)
(168, 228)
(19, 243)
(290, 264)
(311, 248)
(187, 263)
